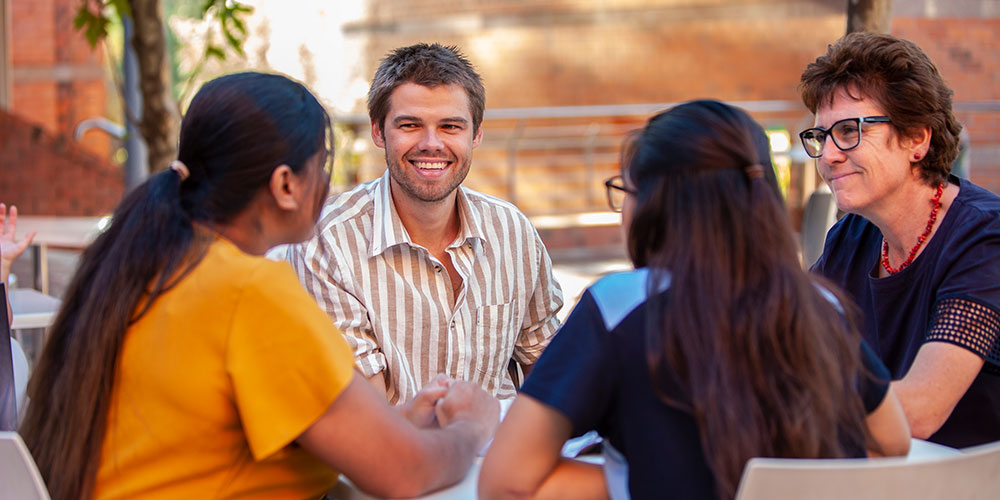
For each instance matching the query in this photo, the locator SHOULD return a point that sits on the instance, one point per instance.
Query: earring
(916, 156)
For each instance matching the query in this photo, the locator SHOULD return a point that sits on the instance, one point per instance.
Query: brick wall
(48, 174)
(58, 80)
(967, 53)
(586, 52)
(589, 52)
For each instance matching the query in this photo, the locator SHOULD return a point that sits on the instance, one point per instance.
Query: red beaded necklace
(935, 205)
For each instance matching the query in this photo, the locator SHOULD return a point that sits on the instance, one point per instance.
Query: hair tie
(755, 171)
(181, 169)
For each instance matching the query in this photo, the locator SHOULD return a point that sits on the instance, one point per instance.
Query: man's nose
(430, 141)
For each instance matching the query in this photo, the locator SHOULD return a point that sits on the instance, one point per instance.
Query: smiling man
(422, 275)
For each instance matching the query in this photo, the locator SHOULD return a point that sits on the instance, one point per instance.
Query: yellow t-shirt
(217, 380)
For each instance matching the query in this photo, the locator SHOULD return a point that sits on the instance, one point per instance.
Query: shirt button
(453, 324)
(437, 269)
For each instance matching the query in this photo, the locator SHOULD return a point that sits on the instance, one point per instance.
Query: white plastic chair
(819, 215)
(21, 375)
(19, 478)
(972, 474)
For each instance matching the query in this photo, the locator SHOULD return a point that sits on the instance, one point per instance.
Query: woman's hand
(420, 410)
(10, 248)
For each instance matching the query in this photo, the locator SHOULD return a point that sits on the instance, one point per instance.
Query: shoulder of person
(342, 207)
(238, 269)
(616, 295)
(483, 200)
(976, 202)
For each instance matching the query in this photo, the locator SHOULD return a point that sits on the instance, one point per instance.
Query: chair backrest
(971, 475)
(19, 478)
(21, 375)
(819, 215)
(8, 386)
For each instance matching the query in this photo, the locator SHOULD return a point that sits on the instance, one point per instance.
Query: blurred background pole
(136, 167)
(869, 15)
(5, 65)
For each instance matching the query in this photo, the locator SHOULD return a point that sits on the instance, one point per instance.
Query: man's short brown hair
(901, 79)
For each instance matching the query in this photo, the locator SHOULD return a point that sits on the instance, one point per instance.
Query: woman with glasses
(919, 250)
(719, 347)
(184, 364)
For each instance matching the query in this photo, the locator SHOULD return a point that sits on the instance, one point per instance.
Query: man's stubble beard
(413, 190)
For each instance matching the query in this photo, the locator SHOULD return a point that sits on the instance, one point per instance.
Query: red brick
(48, 174)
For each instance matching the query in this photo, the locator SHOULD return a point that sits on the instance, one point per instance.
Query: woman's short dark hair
(901, 79)
(429, 65)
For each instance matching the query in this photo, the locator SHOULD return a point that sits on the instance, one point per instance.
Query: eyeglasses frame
(828, 133)
(609, 185)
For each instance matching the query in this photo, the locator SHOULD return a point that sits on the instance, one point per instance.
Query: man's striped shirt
(393, 300)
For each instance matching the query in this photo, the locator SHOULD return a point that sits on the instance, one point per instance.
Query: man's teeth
(427, 165)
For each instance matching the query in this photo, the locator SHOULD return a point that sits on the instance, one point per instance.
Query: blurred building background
(50, 81)
(565, 80)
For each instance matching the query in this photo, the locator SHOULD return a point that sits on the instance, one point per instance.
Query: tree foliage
(158, 122)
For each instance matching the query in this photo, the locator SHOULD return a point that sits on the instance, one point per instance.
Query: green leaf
(97, 30)
(82, 17)
(94, 26)
(216, 52)
(234, 42)
(240, 25)
(124, 7)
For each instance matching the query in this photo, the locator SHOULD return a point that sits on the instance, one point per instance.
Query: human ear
(284, 187)
(917, 142)
(478, 138)
(378, 137)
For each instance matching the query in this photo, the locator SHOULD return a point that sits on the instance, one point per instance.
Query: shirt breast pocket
(496, 333)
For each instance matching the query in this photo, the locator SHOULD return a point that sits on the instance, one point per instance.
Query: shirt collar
(388, 230)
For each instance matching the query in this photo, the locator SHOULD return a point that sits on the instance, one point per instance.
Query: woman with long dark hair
(183, 364)
(716, 349)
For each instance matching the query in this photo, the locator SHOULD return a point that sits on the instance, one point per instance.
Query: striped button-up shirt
(395, 304)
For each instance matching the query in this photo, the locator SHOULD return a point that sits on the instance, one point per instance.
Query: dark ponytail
(238, 129)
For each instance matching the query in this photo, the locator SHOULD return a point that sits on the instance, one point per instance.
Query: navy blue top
(956, 277)
(595, 373)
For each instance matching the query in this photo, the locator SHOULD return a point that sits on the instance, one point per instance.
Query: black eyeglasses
(846, 134)
(616, 192)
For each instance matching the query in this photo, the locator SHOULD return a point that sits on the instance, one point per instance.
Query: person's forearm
(922, 415)
(574, 479)
(570, 479)
(441, 458)
(936, 381)
(888, 428)
(457, 446)
(379, 383)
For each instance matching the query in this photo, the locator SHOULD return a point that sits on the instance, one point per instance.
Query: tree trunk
(159, 123)
(869, 15)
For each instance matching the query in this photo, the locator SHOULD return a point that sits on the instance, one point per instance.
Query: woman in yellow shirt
(185, 365)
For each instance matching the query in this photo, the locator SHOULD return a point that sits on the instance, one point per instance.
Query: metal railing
(551, 160)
